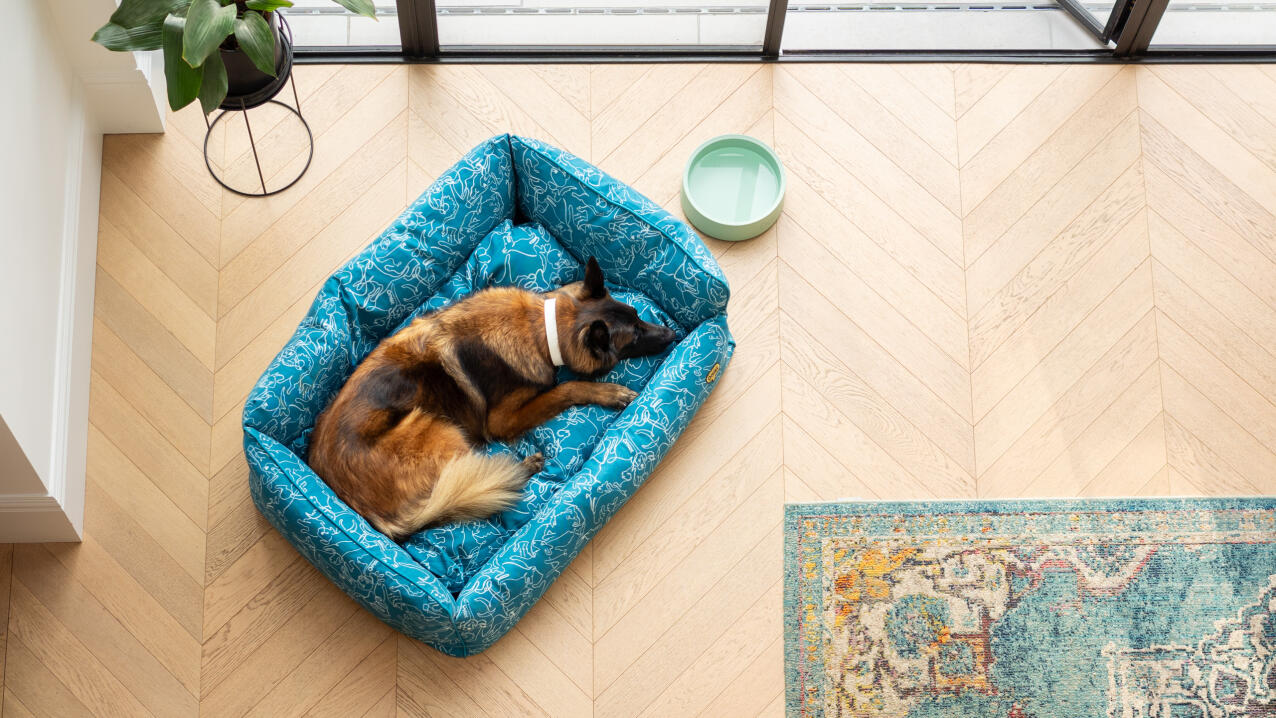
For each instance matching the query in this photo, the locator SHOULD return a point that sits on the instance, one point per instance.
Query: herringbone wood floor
(990, 280)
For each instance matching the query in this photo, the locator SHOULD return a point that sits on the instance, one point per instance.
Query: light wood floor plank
(180, 480)
(357, 103)
(255, 570)
(1213, 329)
(703, 512)
(109, 642)
(1051, 434)
(124, 538)
(720, 663)
(822, 476)
(181, 538)
(1060, 367)
(1105, 272)
(1102, 441)
(149, 394)
(64, 654)
(1167, 152)
(995, 258)
(1196, 465)
(1050, 133)
(1229, 441)
(920, 97)
(1170, 204)
(485, 685)
(31, 685)
(754, 687)
(867, 359)
(670, 652)
(866, 110)
(134, 607)
(527, 666)
(737, 113)
(530, 93)
(12, 707)
(890, 192)
(681, 112)
(972, 81)
(6, 580)
(566, 647)
(166, 193)
(131, 215)
(911, 347)
(811, 410)
(324, 668)
(1002, 294)
(1255, 317)
(937, 82)
(161, 296)
(1135, 471)
(424, 690)
(1212, 143)
(286, 649)
(293, 232)
(320, 256)
(265, 613)
(987, 116)
(623, 107)
(364, 687)
(873, 415)
(151, 341)
(944, 323)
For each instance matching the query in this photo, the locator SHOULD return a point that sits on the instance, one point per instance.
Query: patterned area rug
(1032, 609)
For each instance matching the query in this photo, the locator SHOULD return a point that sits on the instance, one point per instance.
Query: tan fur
(470, 486)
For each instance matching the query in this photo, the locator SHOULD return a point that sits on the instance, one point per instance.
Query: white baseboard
(27, 518)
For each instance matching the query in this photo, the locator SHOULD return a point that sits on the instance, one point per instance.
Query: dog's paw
(534, 463)
(616, 396)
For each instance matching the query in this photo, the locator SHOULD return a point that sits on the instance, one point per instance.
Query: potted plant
(213, 49)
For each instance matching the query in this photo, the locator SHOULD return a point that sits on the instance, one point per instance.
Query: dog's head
(605, 330)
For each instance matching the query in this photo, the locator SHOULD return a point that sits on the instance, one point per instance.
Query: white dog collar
(551, 331)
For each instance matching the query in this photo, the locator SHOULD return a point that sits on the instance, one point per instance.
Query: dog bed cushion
(516, 212)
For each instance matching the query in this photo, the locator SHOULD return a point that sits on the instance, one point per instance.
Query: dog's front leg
(521, 411)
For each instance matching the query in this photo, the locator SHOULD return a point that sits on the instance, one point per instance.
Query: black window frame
(1128, 33)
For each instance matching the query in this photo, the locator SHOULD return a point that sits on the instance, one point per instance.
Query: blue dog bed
(513, 211)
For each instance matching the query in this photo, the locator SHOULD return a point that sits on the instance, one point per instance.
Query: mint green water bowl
(733, 188)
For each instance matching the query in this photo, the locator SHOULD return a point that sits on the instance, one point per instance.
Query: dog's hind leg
(521, 411)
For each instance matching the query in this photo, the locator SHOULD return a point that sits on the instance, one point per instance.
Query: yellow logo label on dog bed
(712, 376)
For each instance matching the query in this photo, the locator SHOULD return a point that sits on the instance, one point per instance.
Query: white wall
(61, 92)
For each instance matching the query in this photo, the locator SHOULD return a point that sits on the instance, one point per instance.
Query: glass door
(542, 24)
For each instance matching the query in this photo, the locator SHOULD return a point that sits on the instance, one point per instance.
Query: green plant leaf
(268, 5)
(143, 37)
(257, 41)
(135, 13)
(183, 80)
(359, 7)
(207, 25)
(213, 89)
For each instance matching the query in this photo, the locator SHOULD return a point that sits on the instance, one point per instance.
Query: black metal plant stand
(266, 95)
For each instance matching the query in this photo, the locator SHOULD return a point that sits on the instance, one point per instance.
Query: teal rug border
(795, 511)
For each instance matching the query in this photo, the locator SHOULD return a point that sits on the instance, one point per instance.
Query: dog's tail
(471, 486)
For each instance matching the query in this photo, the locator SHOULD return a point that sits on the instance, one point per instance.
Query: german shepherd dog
(398, 444)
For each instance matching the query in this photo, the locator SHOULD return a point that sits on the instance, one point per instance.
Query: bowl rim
(758, 144)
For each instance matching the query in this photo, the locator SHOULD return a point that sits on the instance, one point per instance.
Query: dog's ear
(594, 288)
(598, 338)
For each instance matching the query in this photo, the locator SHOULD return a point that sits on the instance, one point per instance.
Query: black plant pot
(247, 86)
